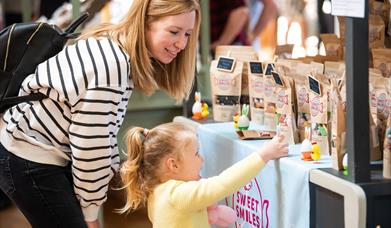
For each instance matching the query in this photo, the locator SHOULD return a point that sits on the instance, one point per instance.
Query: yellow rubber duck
(236, 119)
(315, 155)
(204, 110)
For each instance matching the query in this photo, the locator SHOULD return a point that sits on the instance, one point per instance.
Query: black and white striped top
(89, 85)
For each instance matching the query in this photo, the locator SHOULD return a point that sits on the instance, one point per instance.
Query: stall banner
(252, 210)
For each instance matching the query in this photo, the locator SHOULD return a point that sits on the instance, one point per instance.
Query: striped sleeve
(93, 143)
(96, 116)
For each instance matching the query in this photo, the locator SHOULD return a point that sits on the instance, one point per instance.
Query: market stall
(278, 196)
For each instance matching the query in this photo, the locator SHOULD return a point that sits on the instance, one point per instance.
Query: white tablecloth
(278, 196)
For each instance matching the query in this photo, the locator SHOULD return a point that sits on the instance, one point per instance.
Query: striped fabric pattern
(89, 85)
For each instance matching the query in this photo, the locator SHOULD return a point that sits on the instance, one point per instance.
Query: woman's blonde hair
(146, 151)
(148, 75)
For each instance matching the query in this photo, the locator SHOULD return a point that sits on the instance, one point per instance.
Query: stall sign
(250, 206)
(348, 8)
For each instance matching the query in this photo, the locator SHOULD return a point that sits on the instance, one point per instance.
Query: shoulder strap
(16, 100)
(69, 32)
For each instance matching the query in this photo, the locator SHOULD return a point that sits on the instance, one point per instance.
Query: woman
(58, 155)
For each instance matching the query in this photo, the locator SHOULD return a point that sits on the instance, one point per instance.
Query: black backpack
(22, 47)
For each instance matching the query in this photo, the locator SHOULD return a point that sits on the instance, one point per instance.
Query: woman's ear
(172, 165)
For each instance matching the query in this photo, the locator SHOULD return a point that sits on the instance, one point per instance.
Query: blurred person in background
(228, 22)
(240, 22)
(262, 12)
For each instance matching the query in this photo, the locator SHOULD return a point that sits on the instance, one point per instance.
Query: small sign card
(269, 69)
(226, 64)
(256, 67)
(314, 85)
(277, 79)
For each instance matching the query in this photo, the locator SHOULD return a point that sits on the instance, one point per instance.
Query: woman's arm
(97, 110)
(237, 20)
(269, 12)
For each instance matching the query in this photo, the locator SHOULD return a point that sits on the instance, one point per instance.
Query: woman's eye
(173, 33)
(187, 34)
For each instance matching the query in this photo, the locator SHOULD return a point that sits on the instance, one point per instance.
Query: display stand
(363, 193)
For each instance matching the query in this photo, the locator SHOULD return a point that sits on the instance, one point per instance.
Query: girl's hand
(93, 224)
(273, 149)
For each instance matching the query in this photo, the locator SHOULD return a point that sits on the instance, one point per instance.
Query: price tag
(225, 64)
(256, 67)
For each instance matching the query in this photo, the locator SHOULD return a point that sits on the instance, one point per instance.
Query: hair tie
(145, 132)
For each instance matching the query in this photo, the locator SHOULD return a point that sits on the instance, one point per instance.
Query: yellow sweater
(179, 204)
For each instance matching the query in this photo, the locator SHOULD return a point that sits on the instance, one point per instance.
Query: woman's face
(167, 36)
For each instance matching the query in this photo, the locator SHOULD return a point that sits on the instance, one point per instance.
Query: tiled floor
(12, 218)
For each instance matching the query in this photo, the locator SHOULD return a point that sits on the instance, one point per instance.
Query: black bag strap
(16, 100)
(69, 31)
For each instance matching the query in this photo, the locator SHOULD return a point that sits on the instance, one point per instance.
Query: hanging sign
(348, 8)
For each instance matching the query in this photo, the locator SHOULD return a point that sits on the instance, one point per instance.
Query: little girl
(163, 169)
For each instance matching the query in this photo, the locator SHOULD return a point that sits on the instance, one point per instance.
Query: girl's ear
(172, 165)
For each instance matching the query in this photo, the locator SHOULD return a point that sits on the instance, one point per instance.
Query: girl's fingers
(281, 138)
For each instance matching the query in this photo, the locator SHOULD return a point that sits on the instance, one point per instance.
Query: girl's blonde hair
(148, 75)
(140, 172)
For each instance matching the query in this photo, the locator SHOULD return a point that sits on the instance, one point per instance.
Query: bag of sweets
(375, 151)
(342, 91)
(306, 60)
(387, 151)
(302, 95)
(284, 51)
(334, 70)
(319, 113)
(303, 99)
(226, 81)
(303, 105)
(285, 112)
(376, 31)
(317, 67)
(338, 127)
(341, 25)
(373, 140)
(288, 67)
(244, 54)
(380, 8)
(256, 89)
(380, 110)
(270, 97)
(332, 45)
(382, 60)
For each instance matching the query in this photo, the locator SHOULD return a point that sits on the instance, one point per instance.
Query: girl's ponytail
(132, 170)
(144, 168)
